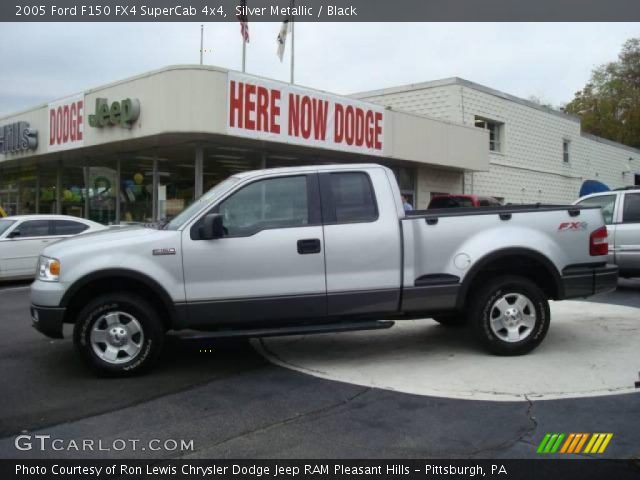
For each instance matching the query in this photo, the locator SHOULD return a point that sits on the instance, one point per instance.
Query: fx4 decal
(572, 226)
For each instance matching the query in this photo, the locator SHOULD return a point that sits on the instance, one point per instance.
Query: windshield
(195, 207)
(5, 224)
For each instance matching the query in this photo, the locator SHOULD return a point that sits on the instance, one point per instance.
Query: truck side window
(605, 202)
(271, 203)
(353, 198)
(631, 211)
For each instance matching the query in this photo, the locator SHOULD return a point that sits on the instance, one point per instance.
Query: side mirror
(14, 234)
(211, 227)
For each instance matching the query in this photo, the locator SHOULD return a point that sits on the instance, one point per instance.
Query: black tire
(483, 306)
(146, 343)
(453, 320)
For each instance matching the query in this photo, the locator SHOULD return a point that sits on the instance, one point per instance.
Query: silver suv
(621, 212)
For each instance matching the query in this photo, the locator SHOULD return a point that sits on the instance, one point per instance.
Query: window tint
(606, 202)
(34, 228)
(353, 197)
(451, 202)
(271, 203)
(5, 224)
(631, 212)
(68, 227)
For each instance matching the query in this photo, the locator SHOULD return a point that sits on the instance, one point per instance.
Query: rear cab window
(348, 197)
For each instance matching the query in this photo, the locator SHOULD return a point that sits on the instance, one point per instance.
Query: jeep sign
(120, 113)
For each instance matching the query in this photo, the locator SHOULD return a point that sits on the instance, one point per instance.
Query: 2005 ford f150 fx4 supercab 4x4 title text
(318, 249)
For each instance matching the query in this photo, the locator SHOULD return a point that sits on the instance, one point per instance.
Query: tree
(609, 105)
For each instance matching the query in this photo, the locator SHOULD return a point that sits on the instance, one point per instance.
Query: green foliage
(609, 105)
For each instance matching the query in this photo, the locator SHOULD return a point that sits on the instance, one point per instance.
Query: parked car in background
(621, 212)
(456, 201)
(23, 237)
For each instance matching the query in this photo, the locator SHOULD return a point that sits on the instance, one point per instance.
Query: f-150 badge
(164, 251)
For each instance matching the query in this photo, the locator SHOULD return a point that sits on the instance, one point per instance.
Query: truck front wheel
(510, 315)
(119, 334)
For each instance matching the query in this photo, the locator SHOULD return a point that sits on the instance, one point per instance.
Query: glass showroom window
(101, 186)
(176, 185)
(136, 190)
(496, 130)
(18, 190)
(8, 192)
(406, 178)
(48, 172)
(73, 189)
(223, 161)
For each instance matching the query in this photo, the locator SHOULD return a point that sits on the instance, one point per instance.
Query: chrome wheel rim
(512, 317)
(117, 337)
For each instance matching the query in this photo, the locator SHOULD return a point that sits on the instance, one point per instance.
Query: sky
(551, 61)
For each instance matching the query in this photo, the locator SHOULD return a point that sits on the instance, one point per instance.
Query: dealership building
(536, 154)
(142, 149)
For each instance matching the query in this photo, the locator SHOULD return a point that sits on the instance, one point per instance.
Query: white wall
(530, 167)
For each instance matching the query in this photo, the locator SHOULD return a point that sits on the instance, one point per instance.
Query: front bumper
(586, 280)
(48, 320)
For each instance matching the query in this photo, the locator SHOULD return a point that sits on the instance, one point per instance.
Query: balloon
(139, 178)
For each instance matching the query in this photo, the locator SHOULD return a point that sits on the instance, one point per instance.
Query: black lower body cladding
(48, 320)
(586, 280)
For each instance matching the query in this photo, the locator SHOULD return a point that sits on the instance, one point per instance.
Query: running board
(295, 330)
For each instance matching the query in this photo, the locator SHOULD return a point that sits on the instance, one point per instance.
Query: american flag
(244, 22)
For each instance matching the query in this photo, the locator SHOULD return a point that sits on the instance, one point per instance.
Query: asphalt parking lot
(235, 403)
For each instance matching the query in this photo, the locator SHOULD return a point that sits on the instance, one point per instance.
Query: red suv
(453, 201)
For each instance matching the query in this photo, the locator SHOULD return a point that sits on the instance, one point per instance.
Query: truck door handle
(309, 245)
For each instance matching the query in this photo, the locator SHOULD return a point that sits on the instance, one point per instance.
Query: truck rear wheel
(119, 334)
(510, 315)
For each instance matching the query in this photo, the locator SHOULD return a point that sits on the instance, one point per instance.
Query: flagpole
(293, 43)
(201, 42)
(244, 55)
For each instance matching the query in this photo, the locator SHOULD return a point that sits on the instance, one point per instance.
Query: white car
(23, 237)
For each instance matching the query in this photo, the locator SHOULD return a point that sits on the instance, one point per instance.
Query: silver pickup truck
(318, 249)
(621, 212)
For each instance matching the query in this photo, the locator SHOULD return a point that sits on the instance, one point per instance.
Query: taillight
(598, 244)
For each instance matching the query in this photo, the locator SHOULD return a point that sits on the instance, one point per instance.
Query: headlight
(48, 269)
